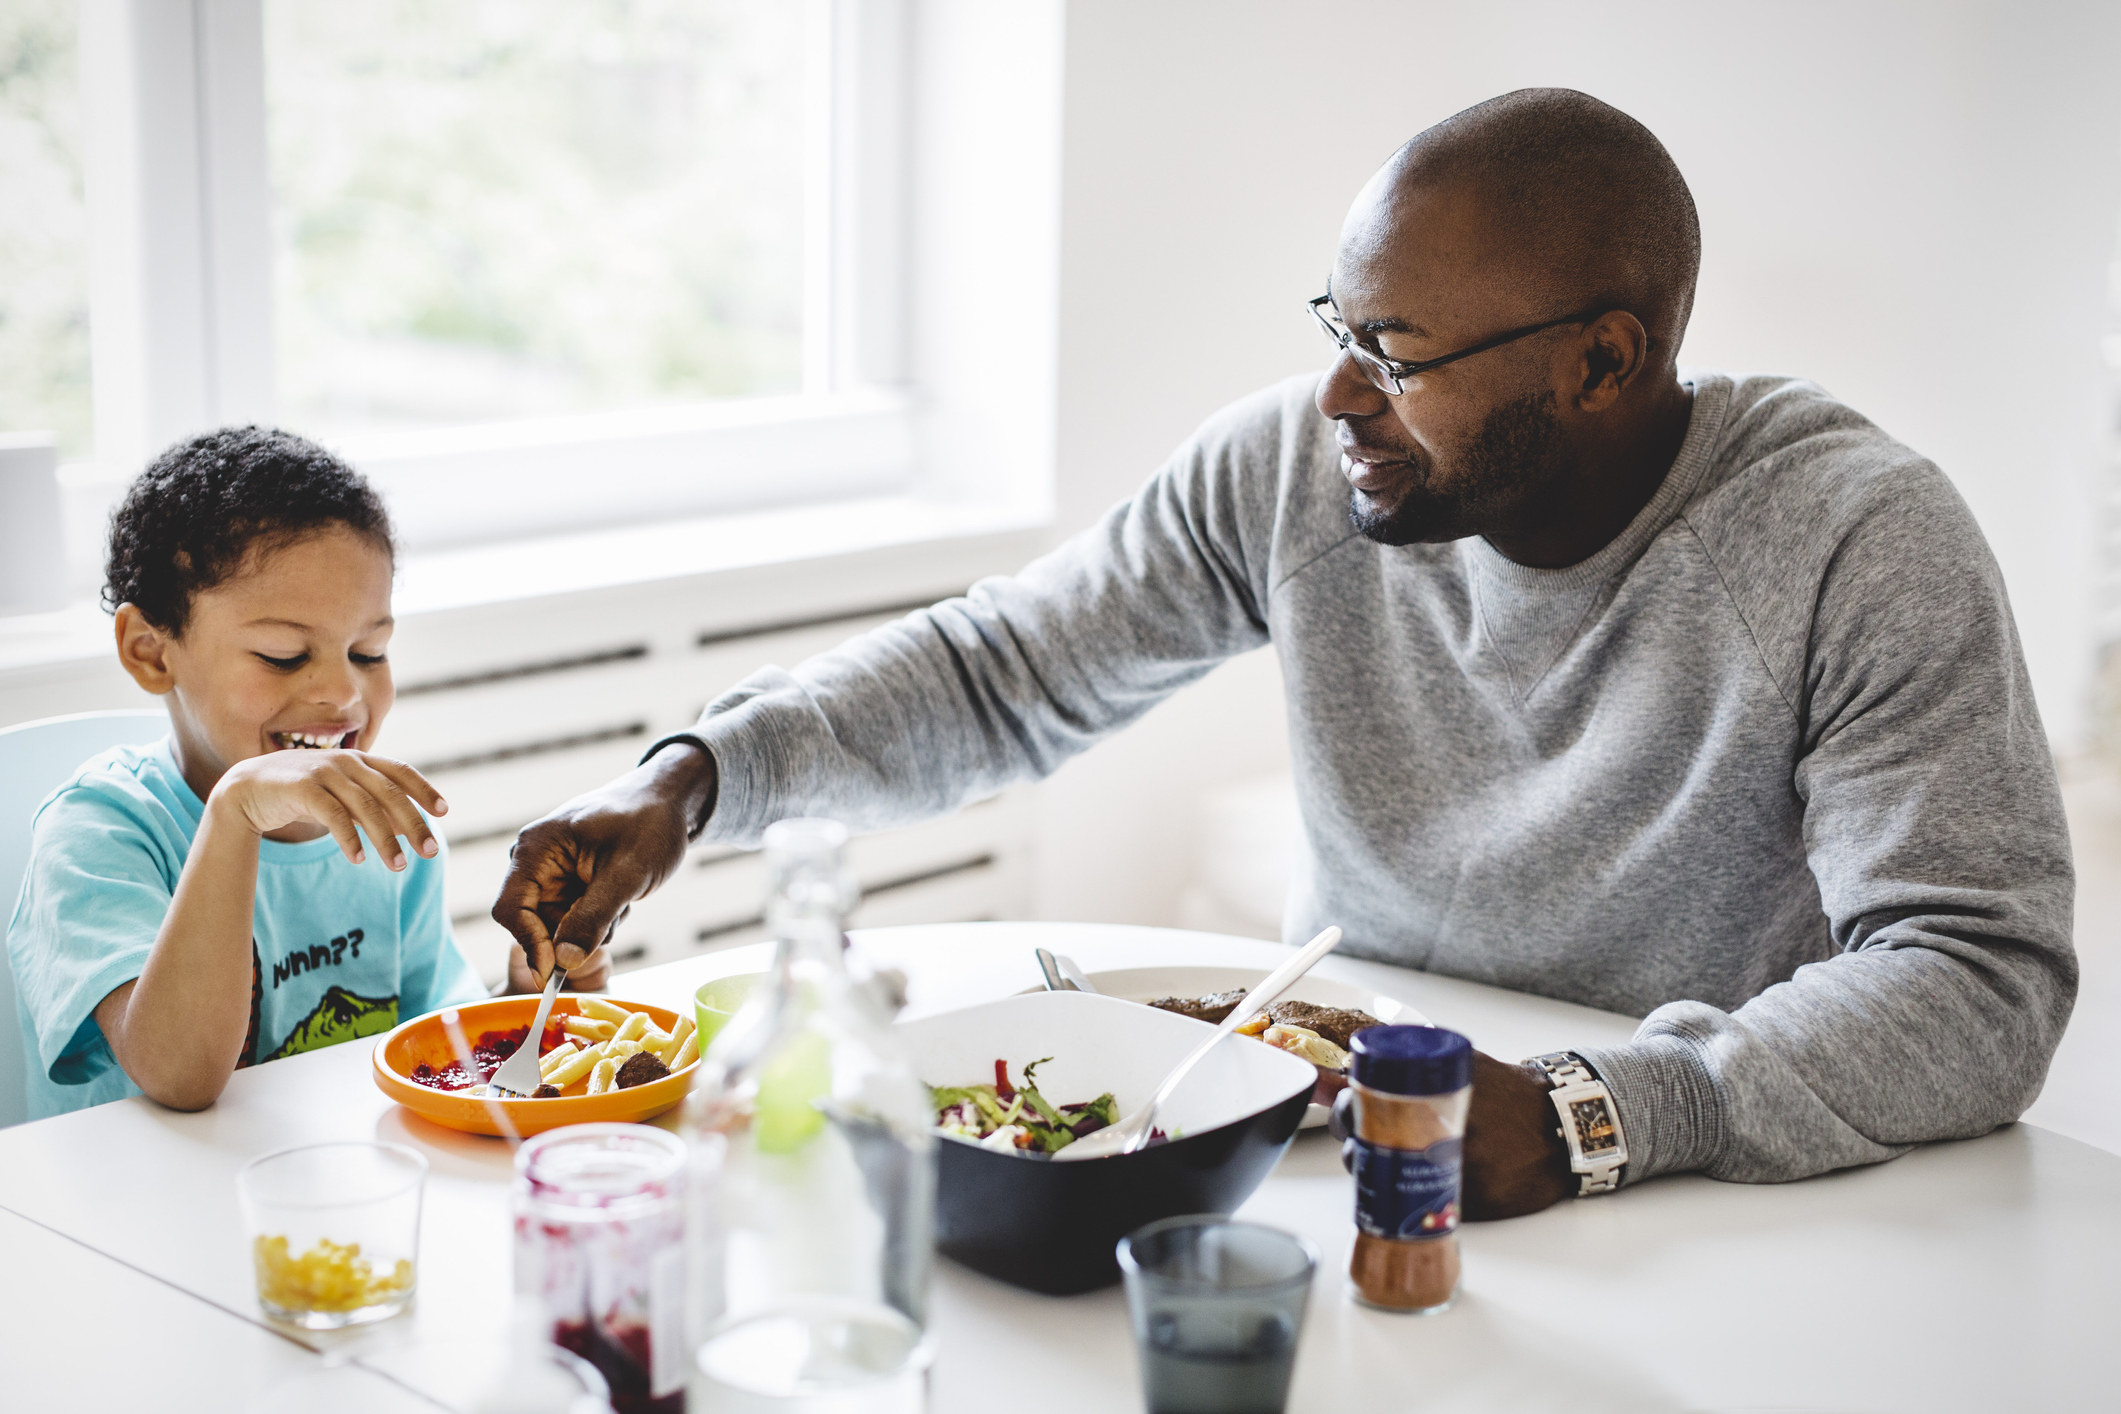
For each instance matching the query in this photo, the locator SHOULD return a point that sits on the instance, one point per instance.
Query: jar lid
(1411, 1060)
(595, 1165)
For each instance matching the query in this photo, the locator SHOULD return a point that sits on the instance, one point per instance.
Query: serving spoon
(1071, 974)
(1061, 973)
(1132, 1132)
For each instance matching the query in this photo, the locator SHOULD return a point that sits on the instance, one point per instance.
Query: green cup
(715, 1002)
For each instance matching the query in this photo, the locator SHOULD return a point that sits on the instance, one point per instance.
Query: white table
(79, 1330)
(1983, 1275)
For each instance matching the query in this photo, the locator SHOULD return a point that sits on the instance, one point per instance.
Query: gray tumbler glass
(1217, 1306)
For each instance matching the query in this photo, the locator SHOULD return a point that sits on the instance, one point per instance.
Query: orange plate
(422, 1040)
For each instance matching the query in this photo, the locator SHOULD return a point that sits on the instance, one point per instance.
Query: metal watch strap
(1589, 1121)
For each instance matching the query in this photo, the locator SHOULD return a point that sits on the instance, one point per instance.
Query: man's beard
(1518, 454)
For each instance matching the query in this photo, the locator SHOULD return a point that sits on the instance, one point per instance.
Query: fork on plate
(519, 1076)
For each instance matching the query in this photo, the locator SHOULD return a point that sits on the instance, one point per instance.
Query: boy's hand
(338, 790)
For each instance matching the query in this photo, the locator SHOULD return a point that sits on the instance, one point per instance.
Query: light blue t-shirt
(338, 950)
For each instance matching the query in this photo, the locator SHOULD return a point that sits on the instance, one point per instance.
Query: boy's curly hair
(190, 520)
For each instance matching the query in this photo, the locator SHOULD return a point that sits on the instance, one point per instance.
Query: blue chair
(35, 760)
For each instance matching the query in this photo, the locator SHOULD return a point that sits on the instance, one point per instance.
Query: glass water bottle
(813, 1172)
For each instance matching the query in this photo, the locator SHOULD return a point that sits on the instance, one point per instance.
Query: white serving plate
(1146, 984)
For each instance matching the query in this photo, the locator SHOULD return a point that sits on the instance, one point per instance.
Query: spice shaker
(1409, 1088)
(600, 1254)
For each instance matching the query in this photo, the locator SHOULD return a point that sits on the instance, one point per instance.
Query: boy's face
(285, 654)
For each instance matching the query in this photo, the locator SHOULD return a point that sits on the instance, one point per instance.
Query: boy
(208, 902)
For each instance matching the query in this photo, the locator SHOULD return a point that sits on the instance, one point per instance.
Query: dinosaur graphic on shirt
(339, 1016)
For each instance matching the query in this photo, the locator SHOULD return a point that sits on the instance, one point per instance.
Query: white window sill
(505, 483)
(879, 533)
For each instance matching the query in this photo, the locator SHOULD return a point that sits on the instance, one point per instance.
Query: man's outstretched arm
(946, 705)
(952, 703)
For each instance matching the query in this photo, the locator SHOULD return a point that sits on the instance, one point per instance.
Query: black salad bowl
(1051, 1226)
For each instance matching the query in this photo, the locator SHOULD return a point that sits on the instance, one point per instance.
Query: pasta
(600, 1079)
(674, 1042)
(574, 1067)
(595, 1040)
(590, 1030)
(597, 1009)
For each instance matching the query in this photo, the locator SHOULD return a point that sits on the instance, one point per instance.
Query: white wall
(984, 157)
(1913, 203)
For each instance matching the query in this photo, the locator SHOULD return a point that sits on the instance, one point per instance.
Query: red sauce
(487, 1053)
(620, 1353)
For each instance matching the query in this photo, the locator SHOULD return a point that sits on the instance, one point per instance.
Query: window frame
(179, 205)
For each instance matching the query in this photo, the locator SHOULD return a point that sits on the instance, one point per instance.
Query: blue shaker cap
(1411, 1060)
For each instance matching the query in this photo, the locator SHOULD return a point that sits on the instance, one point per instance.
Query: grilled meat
(1211, 1008)
(1336, 1024)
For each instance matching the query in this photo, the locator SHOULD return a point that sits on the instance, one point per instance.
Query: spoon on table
(519, 1075)
(1132, 1132)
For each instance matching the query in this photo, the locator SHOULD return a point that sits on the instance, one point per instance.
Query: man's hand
(1515, 1160)
(573, 874)
(592, 975)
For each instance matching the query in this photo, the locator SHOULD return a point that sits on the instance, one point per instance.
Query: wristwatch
(1590, 1124)
(695, 826)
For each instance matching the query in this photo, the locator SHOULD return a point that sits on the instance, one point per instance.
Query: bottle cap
(1411, 1060)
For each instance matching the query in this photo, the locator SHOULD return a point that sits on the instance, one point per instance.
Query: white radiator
(509, 740)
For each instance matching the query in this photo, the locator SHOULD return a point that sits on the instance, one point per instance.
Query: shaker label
(1407, 1192)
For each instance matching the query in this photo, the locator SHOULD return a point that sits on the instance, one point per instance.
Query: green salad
(1006, 1116)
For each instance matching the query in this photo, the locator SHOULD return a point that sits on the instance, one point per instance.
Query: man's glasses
(1389, 375)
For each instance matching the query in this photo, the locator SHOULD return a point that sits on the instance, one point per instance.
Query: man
(1695, 698)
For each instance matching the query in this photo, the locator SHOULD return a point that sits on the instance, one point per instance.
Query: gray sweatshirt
(1765, 771)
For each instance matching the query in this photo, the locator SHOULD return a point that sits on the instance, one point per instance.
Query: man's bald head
(1534, 258)
(1578, 205)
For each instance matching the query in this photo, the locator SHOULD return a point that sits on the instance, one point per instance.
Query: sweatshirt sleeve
(951, 704)
(1933, 823)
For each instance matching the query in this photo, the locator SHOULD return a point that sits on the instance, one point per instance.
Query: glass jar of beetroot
(1409, 1087)
(600, 1228)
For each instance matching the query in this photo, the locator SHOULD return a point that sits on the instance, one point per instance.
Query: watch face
(1595, 1132)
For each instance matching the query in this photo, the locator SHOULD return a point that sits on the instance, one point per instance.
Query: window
(44, 370)
(533, 264)
(488, 212)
